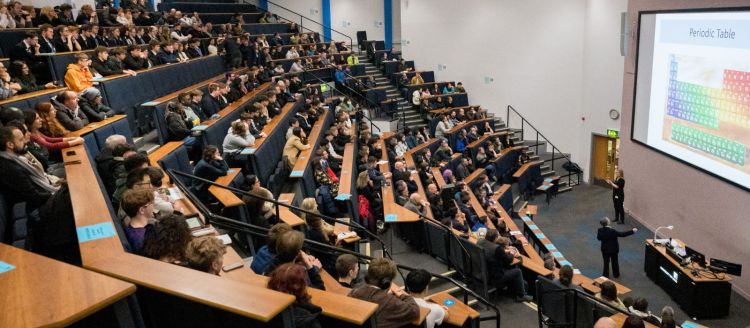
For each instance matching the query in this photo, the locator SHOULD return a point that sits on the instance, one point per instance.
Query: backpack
(364, 208)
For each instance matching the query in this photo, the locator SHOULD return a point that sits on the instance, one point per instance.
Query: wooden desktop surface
(286, 214)
(94, 125)
(32, 95)
(347, 170)
(106, 255)
(226, 197)
(305, 156)
(522, 170)
(44, 292)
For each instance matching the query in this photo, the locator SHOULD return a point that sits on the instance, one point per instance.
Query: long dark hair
(208, 152)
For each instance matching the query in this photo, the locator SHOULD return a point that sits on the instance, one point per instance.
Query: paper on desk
(382, 162)
(348, 234)
(224, 239)
(175, 194)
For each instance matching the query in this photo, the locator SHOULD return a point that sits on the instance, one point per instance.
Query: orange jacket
(78, 78)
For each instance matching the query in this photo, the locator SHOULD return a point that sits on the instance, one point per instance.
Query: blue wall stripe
(263, 4)
(326, 10)
(388, 22)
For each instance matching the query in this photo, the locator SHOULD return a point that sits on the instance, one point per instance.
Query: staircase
(412, 118)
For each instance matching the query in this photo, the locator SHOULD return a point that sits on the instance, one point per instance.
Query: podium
(702, 295)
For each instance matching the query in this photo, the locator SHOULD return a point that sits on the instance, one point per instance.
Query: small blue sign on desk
(199, 127)
(544, 187)
(550, 246)
(539, 235)
(5, 267)
(150, 103)
(231, 171)
(247, 151)
(557, 254)
(390, 217)
(296, 174)
(95, 231)
(533, 227)
(449, 302)
(525, 218)
(565, 263)
(343, 196)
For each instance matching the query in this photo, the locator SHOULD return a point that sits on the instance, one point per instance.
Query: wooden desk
(619, 319)
(304, 157)
(592, 285)
(199, 85)
(458, 312)
(393, 213)
(94, 125)
(238, 103)
(226, 197)
(286, 214)
(339, 228)
(272, 125)
(347, 170)
(44, 292)
(32, 95)
(107, 256)
(525, 167)
(438, 177)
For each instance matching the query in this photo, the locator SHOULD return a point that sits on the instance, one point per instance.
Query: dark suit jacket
(608, 237)
(134, 63)
(47, 47)
(210, 105)
(20, 52)
(17, 187)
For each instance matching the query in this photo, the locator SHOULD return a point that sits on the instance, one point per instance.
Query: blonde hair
(202, 252)
(362, 179)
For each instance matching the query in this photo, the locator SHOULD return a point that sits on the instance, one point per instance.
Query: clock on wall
(614, 114)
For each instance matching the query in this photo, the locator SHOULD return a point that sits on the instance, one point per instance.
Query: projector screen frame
(635, 85)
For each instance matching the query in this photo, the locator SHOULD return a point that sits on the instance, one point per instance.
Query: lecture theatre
(374, 163)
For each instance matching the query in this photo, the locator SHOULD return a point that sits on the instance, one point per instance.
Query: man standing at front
(610, 247)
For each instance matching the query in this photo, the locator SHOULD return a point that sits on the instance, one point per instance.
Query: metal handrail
(552, 160)
(372, 125)
(351, 223)
(301, 21)
(235, 225)
(577, 293)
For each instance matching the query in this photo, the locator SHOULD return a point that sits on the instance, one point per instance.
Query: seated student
(135, 170)
(210, 167)
(416, 284)
(458, 220)
(290, 278)
(608, 294)
(347, 269)
(69, 114)
(667, 318)
(294, 145)
(266, 255)
(633, 321)
(78, 76)
(237, 140)
(261, 212)
(402, 192)
(138, 205)
(135, 60)
(168, 55)
(51, 145)
(178, 125)
(92, 106)
(395, 307)
(320, 231)
(211, 104)
(289, 250)
(640, 309)
(168, 240)
(154, 49)
(206, 254)
(499, 257)
(417, 205)
(565, 278)
(106, 66)
(21, 74)
(378, 178)
(163, 205)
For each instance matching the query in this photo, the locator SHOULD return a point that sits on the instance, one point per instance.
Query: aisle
(571, 221)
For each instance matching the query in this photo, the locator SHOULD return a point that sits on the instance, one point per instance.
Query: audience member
(416, 284)
(138, 205)
(21, 74)
(168, 240)
(289, 250)
(266, 255)
(500, 255)
(294, 145)
(92, 105)
(210, 167)
(395, 306)
(206, 254)
(78, 76)
(290, 278)
(608, 294)
(347, 270)
(69, 114)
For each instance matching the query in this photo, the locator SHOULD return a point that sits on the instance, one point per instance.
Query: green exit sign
(613, 133)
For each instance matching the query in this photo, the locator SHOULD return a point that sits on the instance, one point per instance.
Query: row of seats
(207, 7)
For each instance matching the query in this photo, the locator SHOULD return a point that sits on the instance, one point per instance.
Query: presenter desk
(699, 293)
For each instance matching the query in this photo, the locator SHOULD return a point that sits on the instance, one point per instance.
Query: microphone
(661, 241)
